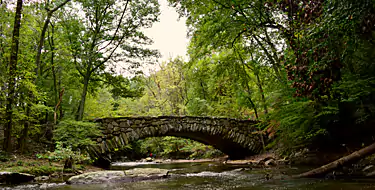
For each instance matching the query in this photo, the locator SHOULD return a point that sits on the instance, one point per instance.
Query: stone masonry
(234, 137)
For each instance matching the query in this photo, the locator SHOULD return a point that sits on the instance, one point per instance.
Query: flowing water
(214, 176)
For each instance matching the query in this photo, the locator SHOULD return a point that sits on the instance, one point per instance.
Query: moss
(44, 170)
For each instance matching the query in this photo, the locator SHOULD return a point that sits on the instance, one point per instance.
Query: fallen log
(355, 156)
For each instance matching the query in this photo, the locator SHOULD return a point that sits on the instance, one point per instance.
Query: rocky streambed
(215, 173)
(98, 177)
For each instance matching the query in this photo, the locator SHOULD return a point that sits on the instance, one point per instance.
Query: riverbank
(44, 170)
(53, 171)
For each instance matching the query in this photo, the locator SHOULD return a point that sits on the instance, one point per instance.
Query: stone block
(110, 126)
(123, 124)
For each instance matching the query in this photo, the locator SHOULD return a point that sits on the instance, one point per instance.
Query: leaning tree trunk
(12, 77)
(355, 156)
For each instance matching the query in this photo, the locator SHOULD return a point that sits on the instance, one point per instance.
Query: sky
(169, 35)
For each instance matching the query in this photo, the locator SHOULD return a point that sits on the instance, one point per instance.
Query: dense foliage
(303, 67)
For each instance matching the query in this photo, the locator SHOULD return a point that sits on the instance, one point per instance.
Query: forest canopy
(303, 68)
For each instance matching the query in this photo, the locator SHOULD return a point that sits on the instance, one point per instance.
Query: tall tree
(44, 30)
(12, 77)
(112, 33)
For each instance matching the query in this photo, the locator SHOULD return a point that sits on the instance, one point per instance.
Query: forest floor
(52, 170)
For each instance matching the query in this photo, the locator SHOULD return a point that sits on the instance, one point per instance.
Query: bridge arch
(233, 137)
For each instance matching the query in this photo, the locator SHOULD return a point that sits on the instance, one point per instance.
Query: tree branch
(118, 26)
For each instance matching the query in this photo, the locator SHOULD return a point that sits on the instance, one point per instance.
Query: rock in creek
(15, 178)
(42, 178)
(137, 174)
(270, 162)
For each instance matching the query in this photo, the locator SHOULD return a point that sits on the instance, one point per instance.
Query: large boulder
(15, 178)
(136, 174)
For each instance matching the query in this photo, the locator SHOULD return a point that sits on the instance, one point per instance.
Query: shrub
(76, 134)
(62, 153)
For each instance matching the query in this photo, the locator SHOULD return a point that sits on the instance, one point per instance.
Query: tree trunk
(355, 156)
(252, 102)
(60, 107)
(12, 78)
(25, 130)
(40, 44)
(81, 108)
(52, 47)
(2, 7)
(262, 94)
(42, 35)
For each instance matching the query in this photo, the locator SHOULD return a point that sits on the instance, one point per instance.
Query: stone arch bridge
(234, 137)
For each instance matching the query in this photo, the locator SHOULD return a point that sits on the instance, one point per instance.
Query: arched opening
(167, 147)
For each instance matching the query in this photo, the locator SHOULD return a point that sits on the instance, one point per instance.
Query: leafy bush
(76, 134)
(4, 157)
(62, 153)
(300, 122)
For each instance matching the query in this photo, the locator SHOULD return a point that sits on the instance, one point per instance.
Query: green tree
(12, 77)
(112, 33)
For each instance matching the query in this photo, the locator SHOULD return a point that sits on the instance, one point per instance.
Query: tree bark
(60, 88)
(259, 83)
(40, 44)
(52, 47)
(355, 156)
(25, 130)
(81, 108)
(12, 78)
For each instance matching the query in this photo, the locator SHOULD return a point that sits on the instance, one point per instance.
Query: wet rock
(96, 177)
(239, 170)
(22, 187)
(267, 158)
(42, 178)
(371, 174)
(368, 168)
(149, 159)
(15, 178)
(137, 174)
(50, 185)
(260, 163)
(369, 171)
(270, 162)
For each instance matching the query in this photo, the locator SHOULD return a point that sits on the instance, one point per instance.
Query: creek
(213, 175)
